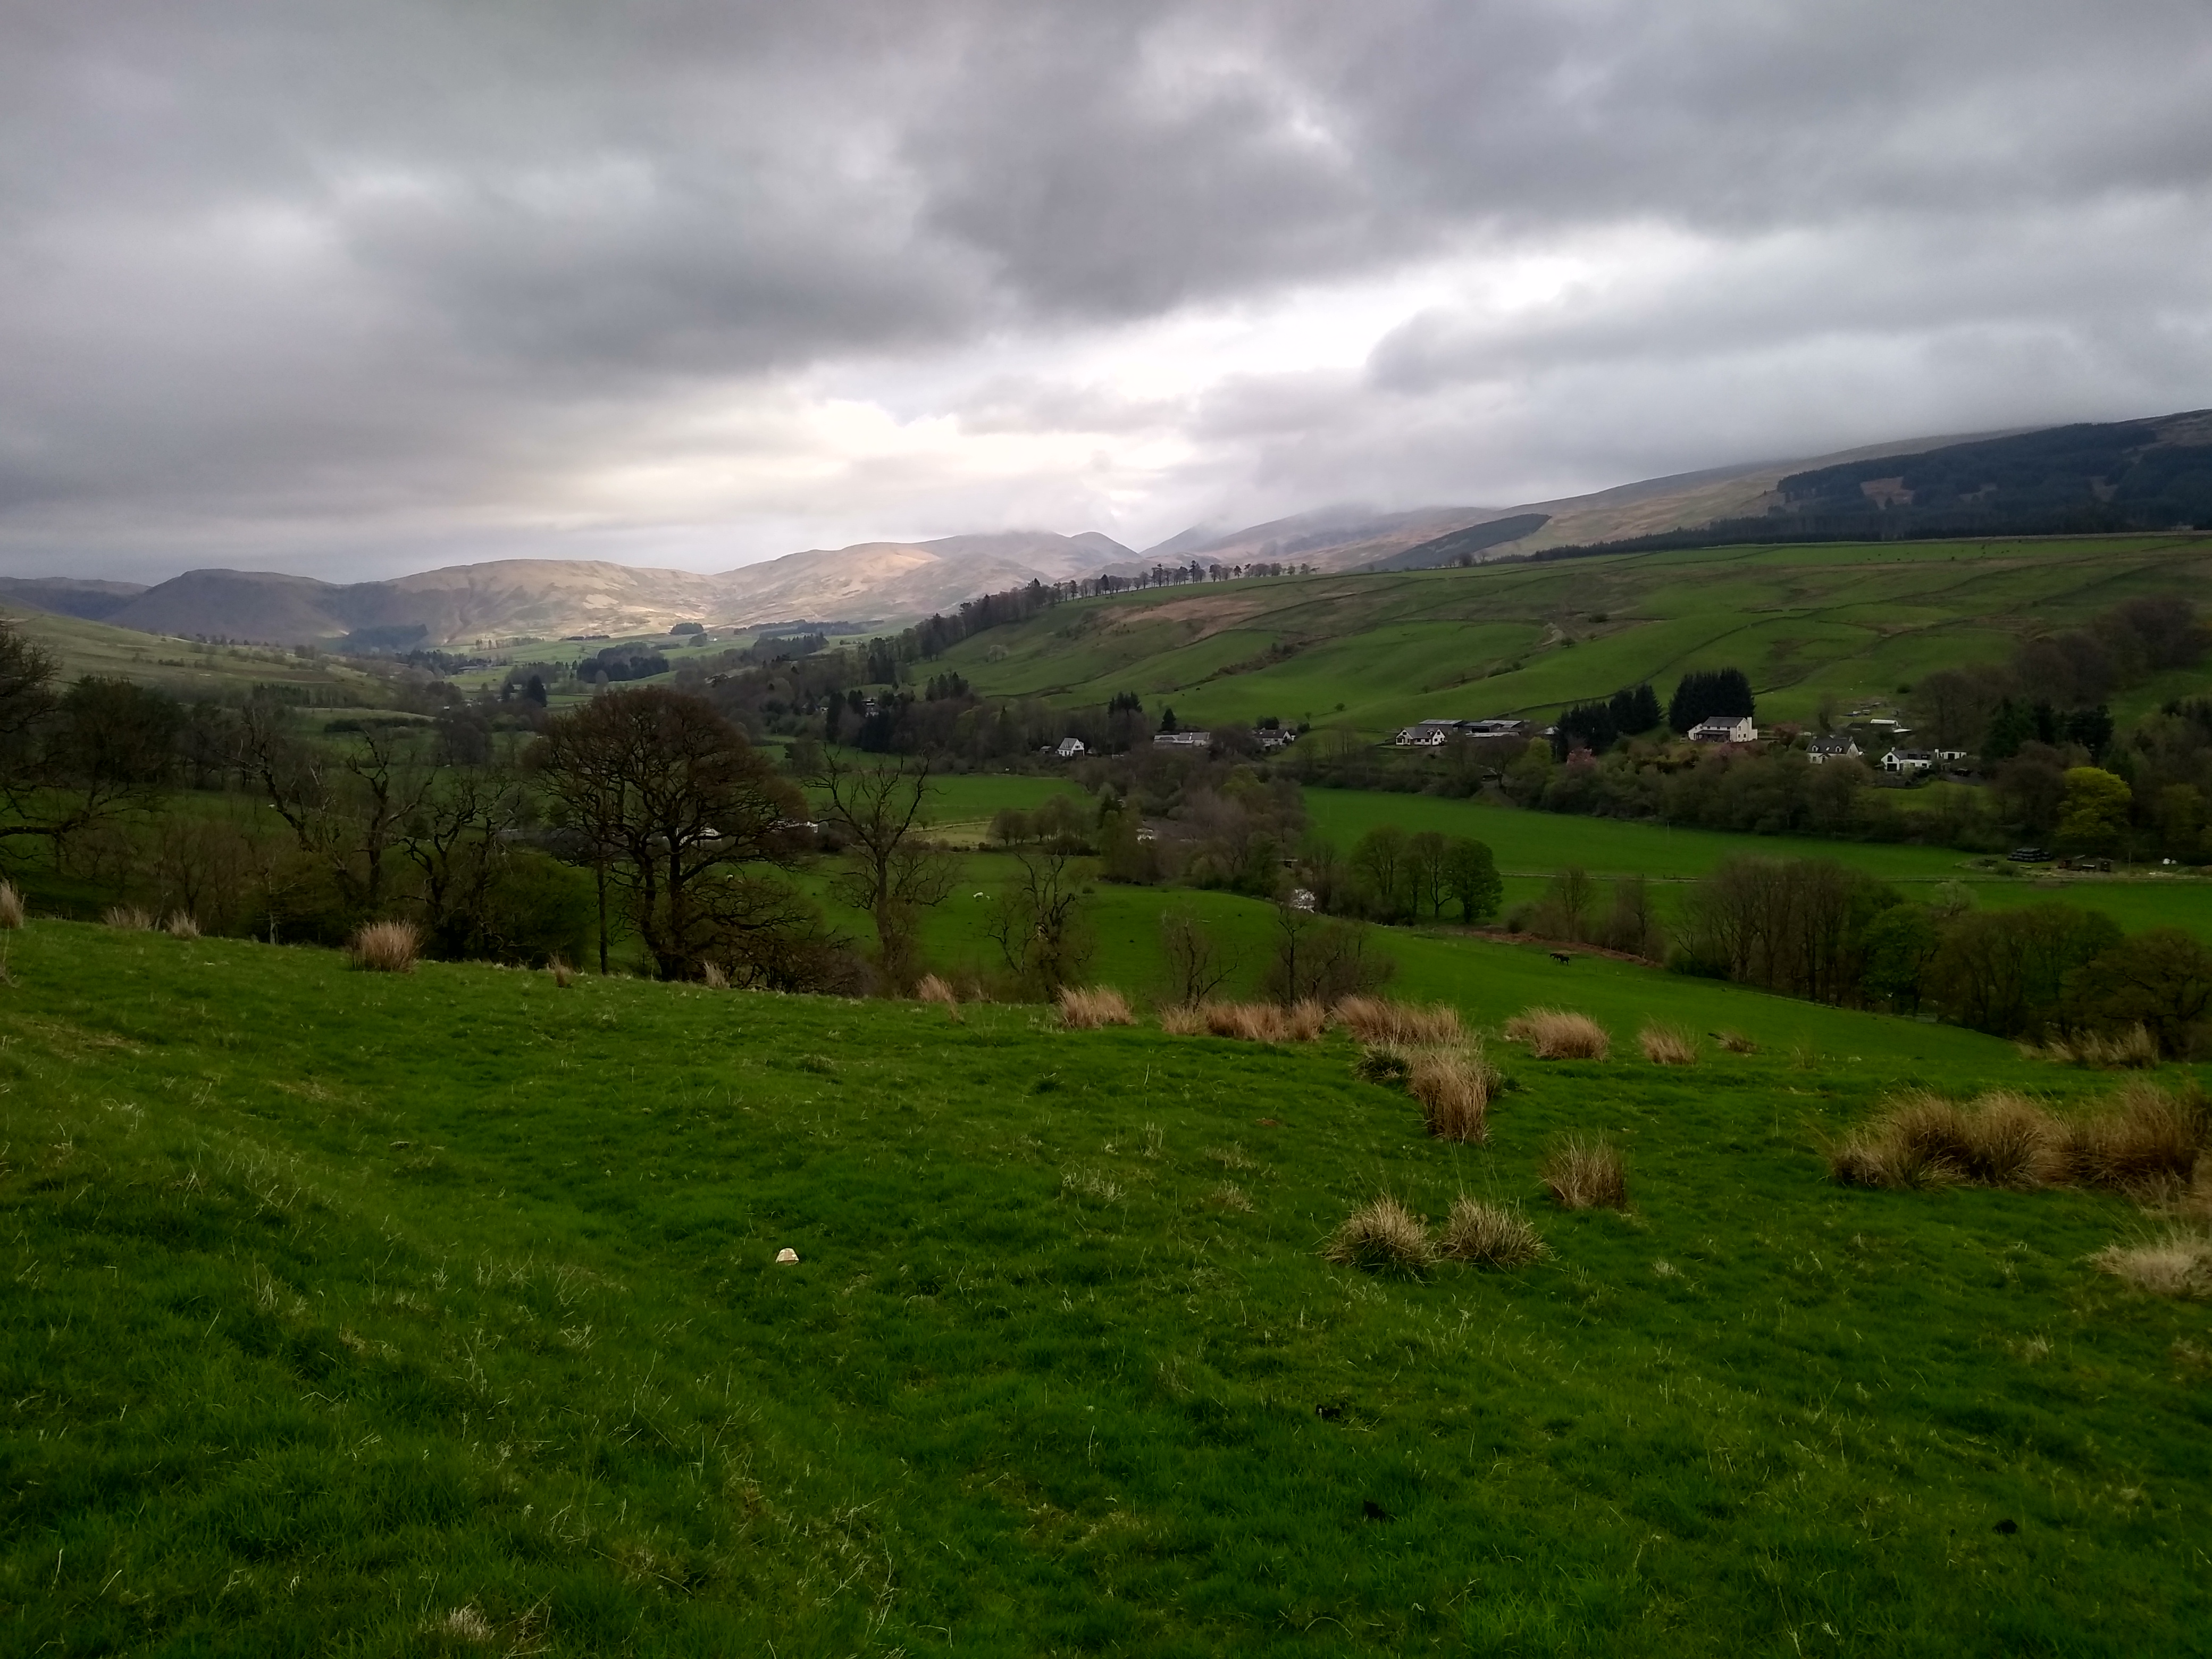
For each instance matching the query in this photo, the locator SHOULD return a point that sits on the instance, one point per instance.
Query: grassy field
(184, 667)
(1377, 651)
(440, 1314)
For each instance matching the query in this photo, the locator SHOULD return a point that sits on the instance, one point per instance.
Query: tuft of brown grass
(563, 975)
(2144, 1139)
(712, 977)
(2177, 1263)
(180, 925)
(1377, 1019)
(1250, 1021)
(1087, 1010)
(11, 907)
(386, 947)
(1735, 1043)
(1559, 1034)
(1663, 1045)
(933, 989)
(1453, 1085)
(2133, 1049)
(129, 919)
(1585, 1174)
(1382, 1235)
(1490, 1236)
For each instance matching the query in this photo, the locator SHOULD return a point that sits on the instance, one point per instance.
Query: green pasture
(184, 667)
(440, 1314)
(1856, 623)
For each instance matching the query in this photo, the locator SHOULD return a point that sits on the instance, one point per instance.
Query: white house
(1824, 750)
(1428, 734)
(1069, 749)
(1183, 739)
(1725, 728)
(1904, 763)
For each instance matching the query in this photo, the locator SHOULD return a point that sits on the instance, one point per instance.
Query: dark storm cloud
(284, 280)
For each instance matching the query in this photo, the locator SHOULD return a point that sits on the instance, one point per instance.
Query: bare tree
(1040, 923)
(890, 872)
(1199, 964)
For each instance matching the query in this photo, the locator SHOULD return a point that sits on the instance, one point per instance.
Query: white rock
(786, 1254)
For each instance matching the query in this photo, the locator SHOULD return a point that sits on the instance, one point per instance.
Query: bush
(1490, 1236)
(1085, 1011)
(1376, 1019)
(1557, 1034)
(1585, 1175)
(11, 907)
(1382, 1235)
(1663, 1045)
(1452, 1087)
(129, 919)
(386, 947)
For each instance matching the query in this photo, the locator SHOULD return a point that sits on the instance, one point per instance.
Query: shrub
(1085, 1011)
(1376, 1020)
(1557, 1034)
(933, 989)
(1490, 1236)
(386, 947)
(1382, 1235)
(180, 925)
(563, 975)
(11, 907)
(2178, 1263)
(1454, 1089)
(1586, 1175)
(1663, 1045)
(129, 918)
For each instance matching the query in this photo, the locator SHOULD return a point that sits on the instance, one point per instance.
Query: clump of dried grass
(2144, 1139)
(1087, 1010)
(1559, 1034)
(1585, 1174)
(1663, 1045)
(1490, 1236)
(386, 947)
(1735, 1043)
(563, 975)
(11, 907)
(1250, 1021)
(1382, 1235)
(2133, 1049)
(1184, 1019)
(933, 989)
(2178, 1262)
(1378, 1020)
(129, 919)
(1453, 1086)
(180, 925)
(712, 977)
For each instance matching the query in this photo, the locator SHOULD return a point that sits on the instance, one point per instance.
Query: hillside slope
(1373, 652)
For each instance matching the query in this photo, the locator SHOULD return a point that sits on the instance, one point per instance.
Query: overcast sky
(354, 287)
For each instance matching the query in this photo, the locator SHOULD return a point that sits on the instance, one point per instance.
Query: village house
(1906, 763)
(1183, 739)
(1725, 728)
(1069, 749)
(1824, 750)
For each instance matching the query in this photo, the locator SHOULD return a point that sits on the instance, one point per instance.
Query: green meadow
(1373, 653)
(440, 1314)
(185, 668)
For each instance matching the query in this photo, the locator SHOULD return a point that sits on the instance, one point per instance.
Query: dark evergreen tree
(1704, 694)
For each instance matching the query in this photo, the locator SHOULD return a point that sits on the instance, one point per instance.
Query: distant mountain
(68, 596)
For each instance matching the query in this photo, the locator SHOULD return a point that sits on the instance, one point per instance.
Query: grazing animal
(1561, 956)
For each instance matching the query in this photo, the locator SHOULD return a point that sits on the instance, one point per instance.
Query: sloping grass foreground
(440, 1313)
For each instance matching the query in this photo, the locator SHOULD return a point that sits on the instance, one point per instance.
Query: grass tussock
(1377, 1019)
(11, 907)
(563, 975)
(2142, 1139)
(1490, 1235)
(933, 989)
(2133, 1049)
(1382, 1235)
(1453, 1086)
(1586, 1174)
(712, 977)
(386, 947)
(1664, 1045)
(2177, 1263)
(1559, 1034)
(129, 919)
(179, 924)
(1087, 1010)
(1248, 1022)
(1735, 1043)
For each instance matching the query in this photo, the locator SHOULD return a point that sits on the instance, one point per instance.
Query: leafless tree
(1199, 964)
(892, 872)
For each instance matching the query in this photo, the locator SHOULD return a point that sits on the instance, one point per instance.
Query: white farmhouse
(1725, 728)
